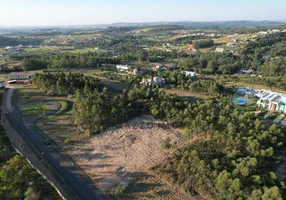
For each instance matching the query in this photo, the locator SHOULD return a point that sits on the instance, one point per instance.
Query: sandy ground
(120, 154)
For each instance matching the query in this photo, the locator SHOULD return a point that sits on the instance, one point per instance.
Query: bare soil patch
(117, 156)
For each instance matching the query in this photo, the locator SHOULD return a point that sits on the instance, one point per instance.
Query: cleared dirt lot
(119, 155)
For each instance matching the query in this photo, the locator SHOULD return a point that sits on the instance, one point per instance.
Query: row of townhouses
(272, 101)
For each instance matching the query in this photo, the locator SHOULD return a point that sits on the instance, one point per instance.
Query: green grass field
(42, 50)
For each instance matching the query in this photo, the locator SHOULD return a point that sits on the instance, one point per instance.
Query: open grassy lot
(184, 93)
(57, 124)
(42, 50)
(3, 76)
(2, 51)
(84, 50)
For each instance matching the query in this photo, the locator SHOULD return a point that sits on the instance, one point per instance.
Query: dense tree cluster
(233, 161)
(185, 40)
(9, 41)
(95, 111)
(197, 44)
(61, 83)
(211, 63)
(61, 61)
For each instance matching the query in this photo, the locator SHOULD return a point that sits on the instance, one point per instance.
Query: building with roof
(2, 84)
(19, 75)
(156, 81)
(123, 67)
(271, 101)
(189, 73)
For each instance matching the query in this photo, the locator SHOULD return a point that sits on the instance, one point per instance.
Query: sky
(86, 12)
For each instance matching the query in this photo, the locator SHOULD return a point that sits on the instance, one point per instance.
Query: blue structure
(241, 101)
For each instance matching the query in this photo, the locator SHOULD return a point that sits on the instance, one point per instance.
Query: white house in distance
(156, 81)
(2, 84)
(189, 73)
(220, 50)
(19, 75)
(123, 67)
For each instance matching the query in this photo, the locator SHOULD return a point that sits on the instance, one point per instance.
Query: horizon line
(142, 22)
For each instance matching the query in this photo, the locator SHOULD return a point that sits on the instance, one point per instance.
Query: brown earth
(118, 155)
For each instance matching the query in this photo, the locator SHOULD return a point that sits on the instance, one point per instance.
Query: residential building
(19, 75)
(189, 73)
(220, 50)
(272, 101)
(123, 67)
(156, 81)
(282, 105)
(248, 71)
(159, 68)
(2, 84)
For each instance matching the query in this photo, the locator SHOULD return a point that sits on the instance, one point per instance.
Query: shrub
(67, 141)
(120, 190)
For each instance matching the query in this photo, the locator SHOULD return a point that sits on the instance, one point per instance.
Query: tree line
(61, 83)
(64, 61)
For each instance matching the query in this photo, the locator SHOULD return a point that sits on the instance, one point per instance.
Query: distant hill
(213, 24)
(187, 24)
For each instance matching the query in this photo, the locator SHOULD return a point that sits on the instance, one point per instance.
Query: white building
(189, 73)
(123, 67)
(19, 75)
(220, 50)
(2, 84)
(156, 81)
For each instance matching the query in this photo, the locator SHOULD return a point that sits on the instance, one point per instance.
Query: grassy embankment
(18, 179)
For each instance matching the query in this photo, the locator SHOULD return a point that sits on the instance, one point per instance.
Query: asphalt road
(80, 184)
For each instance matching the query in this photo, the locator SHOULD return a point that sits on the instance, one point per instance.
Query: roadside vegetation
(18, 179)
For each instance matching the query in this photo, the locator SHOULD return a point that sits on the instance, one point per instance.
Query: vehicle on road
(47, 142)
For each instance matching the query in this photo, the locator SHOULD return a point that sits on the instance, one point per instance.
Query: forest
(235, 159)
(197, 44)
(7, 41)
(61, 83)
(64, 61)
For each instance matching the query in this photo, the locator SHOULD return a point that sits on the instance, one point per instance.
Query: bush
(67, 141)
(27, 96)
(167, 144)
(120, 190)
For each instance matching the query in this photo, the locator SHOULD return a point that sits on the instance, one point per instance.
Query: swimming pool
(241, 101)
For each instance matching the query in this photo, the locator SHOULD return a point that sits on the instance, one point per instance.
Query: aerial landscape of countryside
(102, 106)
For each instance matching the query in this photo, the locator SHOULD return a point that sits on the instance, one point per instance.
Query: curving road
(80, 184)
